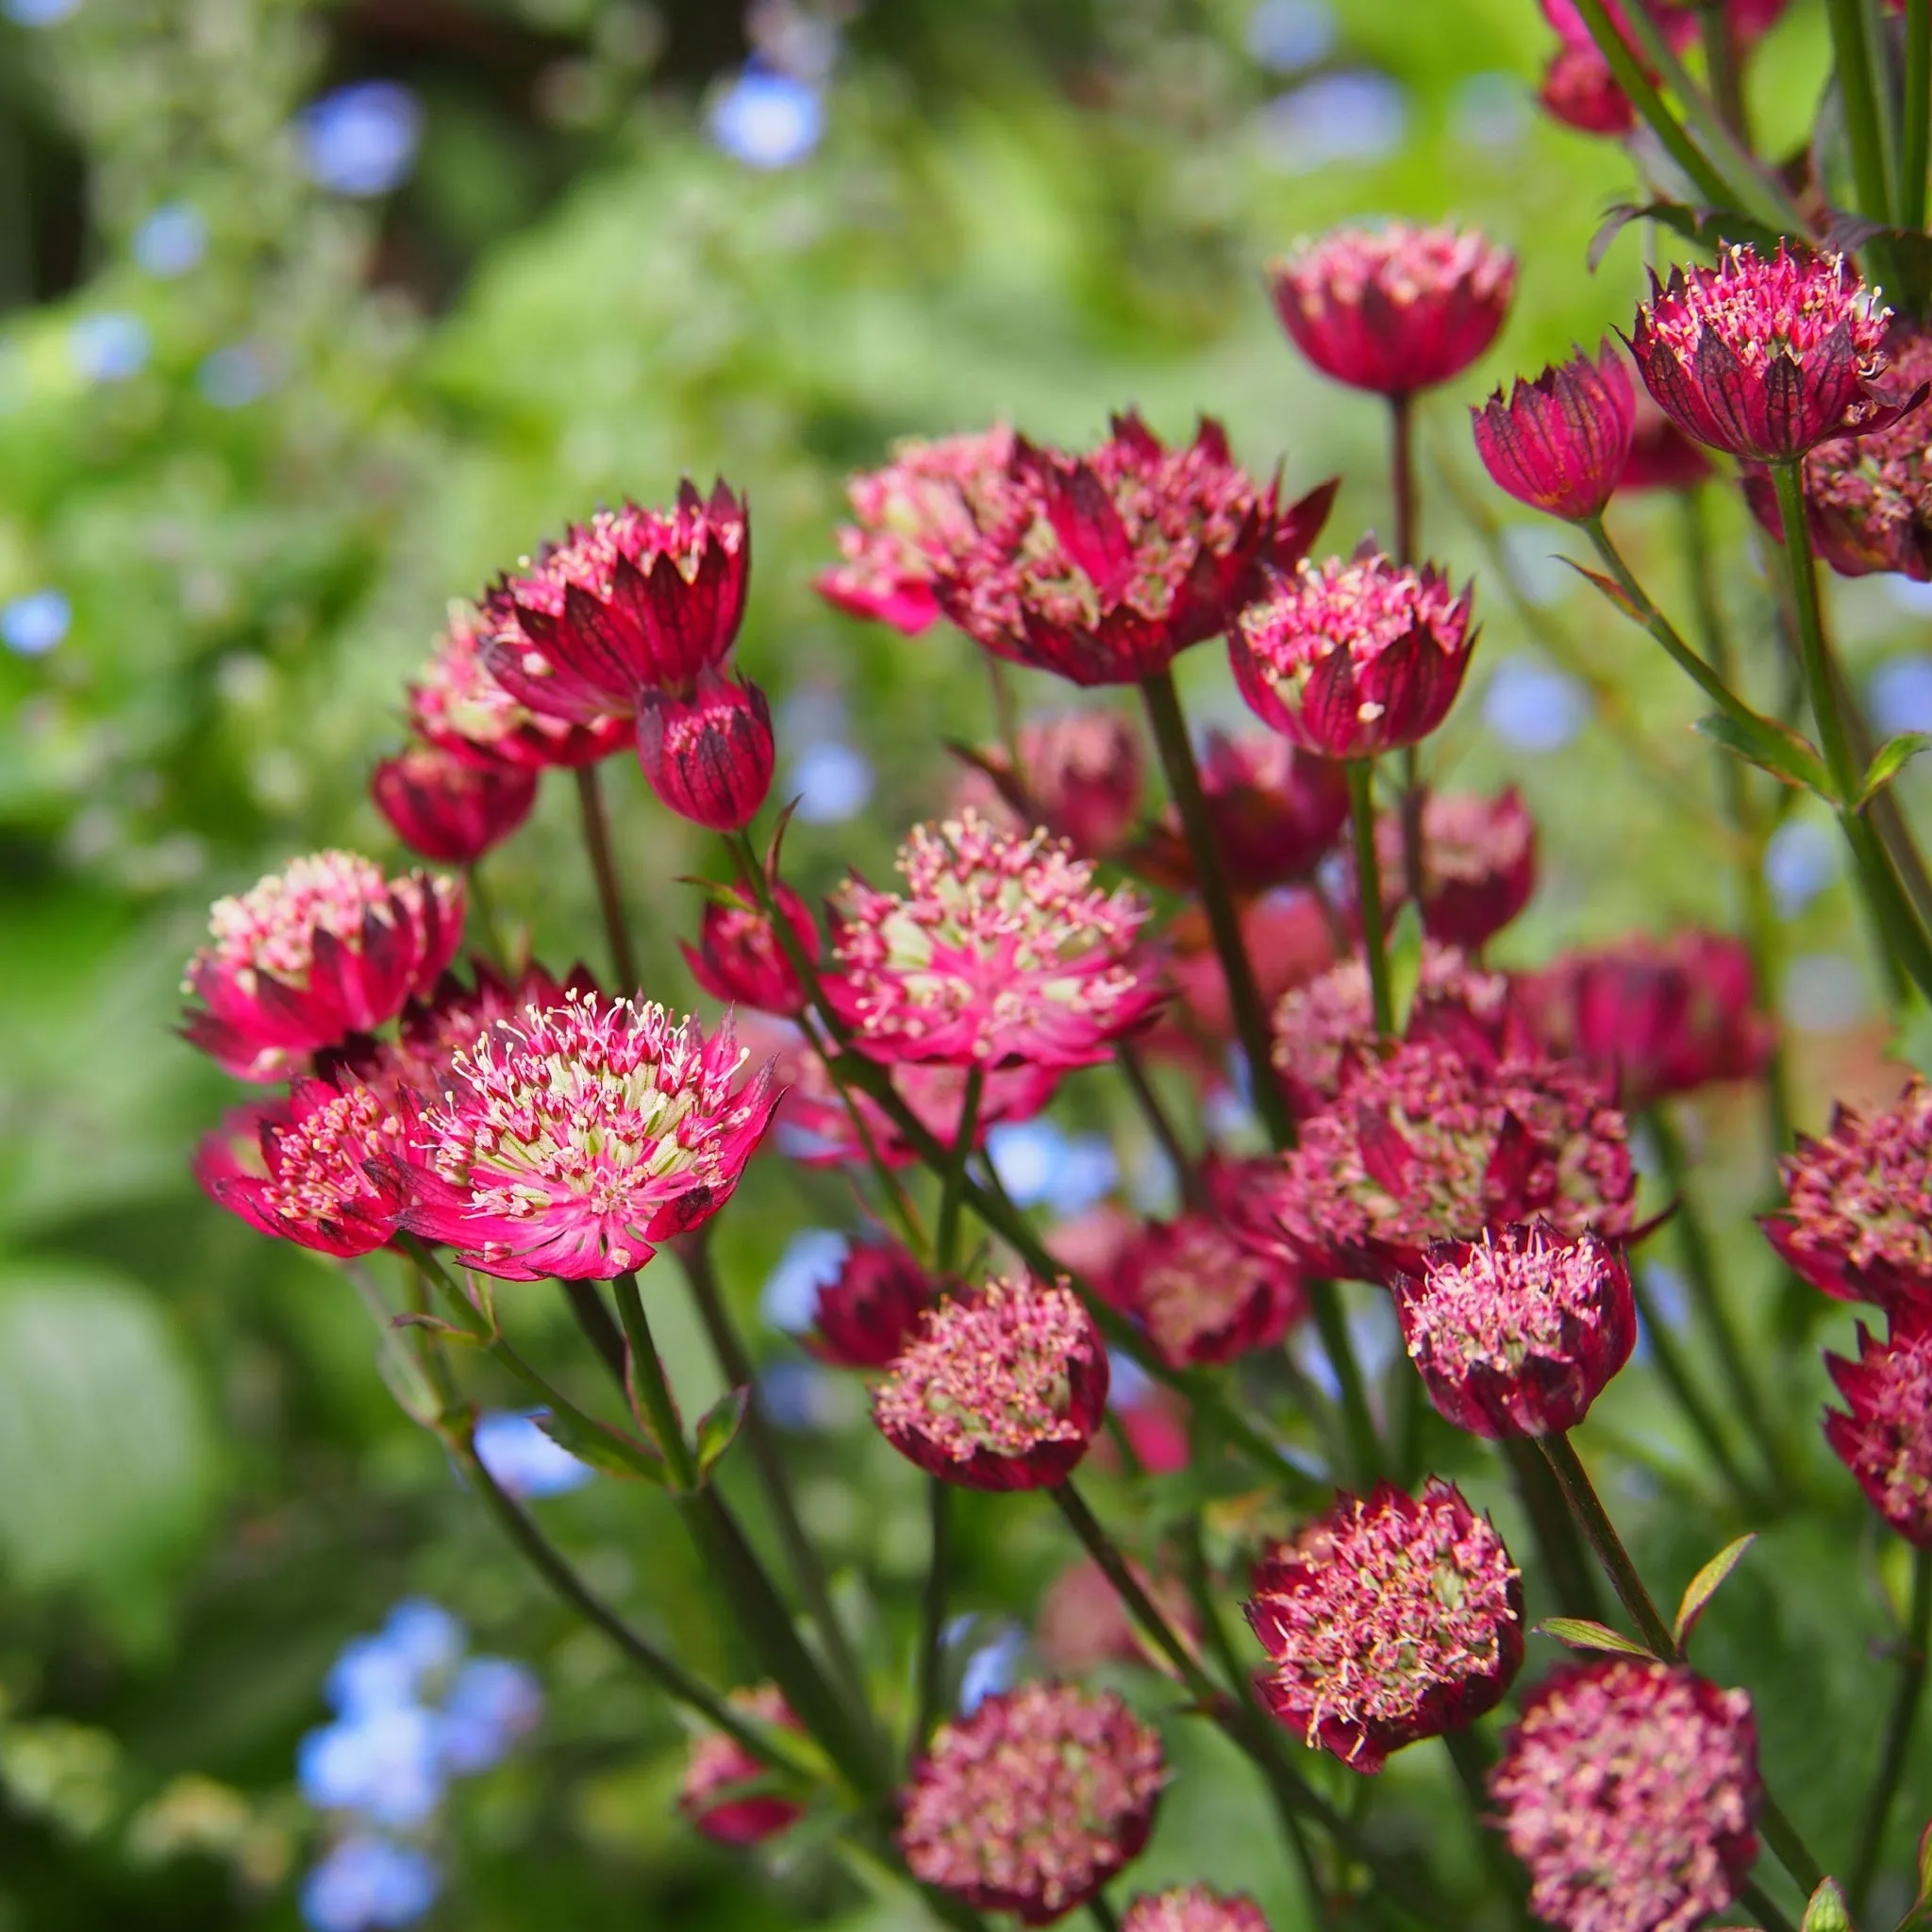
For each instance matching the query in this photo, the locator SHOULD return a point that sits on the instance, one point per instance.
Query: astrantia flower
(1766, 359)
(1079, 775)
(1200, 1295)
(709, 756)
(1320, 1027)
(1856, 1222)
(635, 600)
(1432, 1143)
(1003, 1390)
(865, 1317)
(717, 1791)
(1479, 863)
(1657, 1016)
(1386, 1621)
(1869, 498)
(1104, 567)
(449, 809)
(1001, 950)
(1560, 441)
(1354, 656)
(309, 1168)
(1517, 1333)
(1579, 89)
(1083, 1623)
(1192, 1909)
(1394, 309)
(573, 1138)
(325, 948)
(1884, 1434)
(1034, 1802)
(458, 706)
(739, 960)
(925, 507)
(1630, 1789)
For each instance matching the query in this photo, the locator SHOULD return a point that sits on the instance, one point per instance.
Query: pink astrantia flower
(1433, 1143)
(456, 705)
(1079, 775)
(737, 959)
(309, 1168)
(1322, 1027)
(1002, 1390)
(1479, 863)
(1884, 1434)
(576, 1136)
(1630, 1792)
(1579, 89)
(1517, 1332)
(1104, 567)
(325, 948)
(717, 1791)
(865, 1318)
(1389, 1620)
(1560, 441)
(1031, 1804)
(1661, 456)
(1856, 1222)
(636, 600)
(1766, 359)
(1354, 656)
(924, 507)
(1192, 1909)
(1000, 951)
(1394, 309)
(449, 809)
(1200, 1295)
(708, 756)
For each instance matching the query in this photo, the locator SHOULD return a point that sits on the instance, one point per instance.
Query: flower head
(866, 1317)
(635, 600)
(717, 1791)
(449, 809)
(1388, 1620)
(1479, 863)
(1201, 1295)
(458, 706)
(1579, 89)
(310, 1169)
(1192, 1909)
(737, 959)
(1354, 656)
(1884, 1432)
(574, 1137)
(1629, 1789)
(1856, 1222)
(1000, 951)
(1079, 775)
(1434, 1143)
(708, 757)
(1394, 309)
(1083, 1623)
(1560, 441)
(1766, 359)
(1034, 1802)
(1002, 1390)
(325, 948)
(924, 507)
(1103, 568)
(1517, 1332)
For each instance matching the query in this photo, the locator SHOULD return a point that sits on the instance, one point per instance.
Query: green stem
(1170, 730)
(1859, 86)
(1102, 1914)
(1471, 1760)
(946, 1255)
(1187, 1176)
(932, 1618)
(1905, 1699)
(1915, 126)
(1358, 1419)
(1721, 59)
(1368, 885)
(1675, 1369)
(483, 904)
(650, 1391)
(599, 1326)
(604, 870)
(1561, 1550)
(1762, 1909)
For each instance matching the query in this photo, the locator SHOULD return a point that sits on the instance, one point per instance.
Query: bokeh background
(313, 317)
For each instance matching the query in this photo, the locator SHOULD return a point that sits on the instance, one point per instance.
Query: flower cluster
(1884, 1432)
(1200, 1295)
(1192, 1909)
(1477, 862)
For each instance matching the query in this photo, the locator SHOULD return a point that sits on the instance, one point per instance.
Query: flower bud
(710, 757)
(1559, 443)
(447, 808)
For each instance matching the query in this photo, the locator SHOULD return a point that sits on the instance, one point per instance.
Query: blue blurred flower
(361, 140)
(1899, 694)
(522, 1459)
(799, 1396)
(172, 240)
(767, 119)
(1127, 1382)
(384, 1762)
(1533, 707)
(992, 1666)
(33, 624)
(832, 780)
(1910, 594)
(39, 13)
(1491, 110)
(1540, 575)
(491, 1703)
(1287, 34)
(366, 1882)
(1801, 859)
(1359, 116)
(377, 1673)
(1824, 993)
(110, 345)
(234, 377)
(812, 1258)
(1040, 1166)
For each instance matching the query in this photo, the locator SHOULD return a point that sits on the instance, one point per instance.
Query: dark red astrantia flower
(448, 809)
(1579, 89)
(739, 960)
(708, 757)
(1200, 1295)
(1560, 441)
(867, 1316)
(719, 1790)
(1884, 1432)
(1079, 775)
(1192, 1909)
(1479, 863)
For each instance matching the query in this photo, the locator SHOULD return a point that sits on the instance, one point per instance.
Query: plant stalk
(932, 1619)
(604, 870)
(1368, 888)
(1905, 1698)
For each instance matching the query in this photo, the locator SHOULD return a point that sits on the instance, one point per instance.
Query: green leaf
(1772, 747)
(719, 1426)
(1580, 1633)
(1405, 965)
(1706, 1584)
(1889, 760)
(1826, 1912)
(1707, 227)
(1605, 587)
(444, 1331)
(602, 1447)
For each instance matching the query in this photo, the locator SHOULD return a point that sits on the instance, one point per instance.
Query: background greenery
(1035, 211)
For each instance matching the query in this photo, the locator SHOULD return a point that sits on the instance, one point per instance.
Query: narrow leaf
(1608, 587)
(1772, 747)
(444, 1331)
(1580, 1633)
(1826, 1911)
(601, 1448)
(719, 1425)
(1405, 965)
(1889, 760)
(1706, 1584)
